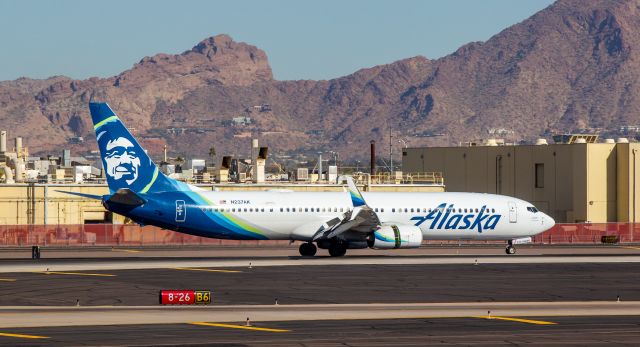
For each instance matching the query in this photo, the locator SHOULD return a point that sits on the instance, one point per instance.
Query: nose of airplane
(547, 221)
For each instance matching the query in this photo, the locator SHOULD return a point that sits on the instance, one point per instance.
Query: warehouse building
(576, 180)
(47, 204)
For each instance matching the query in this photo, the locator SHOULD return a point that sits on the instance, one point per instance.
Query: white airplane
(336, 221)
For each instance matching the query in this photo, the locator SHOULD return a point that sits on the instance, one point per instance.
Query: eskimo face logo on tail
(122, 162)
(443, 217)
(126, 165)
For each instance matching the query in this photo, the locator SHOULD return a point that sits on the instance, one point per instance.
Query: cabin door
(181, 211)
(513, 212)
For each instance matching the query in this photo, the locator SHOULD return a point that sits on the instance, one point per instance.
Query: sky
(303, 39)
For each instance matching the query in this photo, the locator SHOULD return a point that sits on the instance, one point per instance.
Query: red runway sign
(185, 297)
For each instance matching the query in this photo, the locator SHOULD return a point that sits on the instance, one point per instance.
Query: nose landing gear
(510, 249)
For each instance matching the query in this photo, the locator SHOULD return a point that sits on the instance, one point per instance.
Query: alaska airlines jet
(336, 221)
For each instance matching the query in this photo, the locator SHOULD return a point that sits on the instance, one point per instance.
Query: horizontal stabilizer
(125, 196)
(89, 196)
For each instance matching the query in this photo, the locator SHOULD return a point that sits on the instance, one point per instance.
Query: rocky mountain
(573, 65)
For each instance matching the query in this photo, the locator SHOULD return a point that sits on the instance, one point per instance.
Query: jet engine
(392, 236)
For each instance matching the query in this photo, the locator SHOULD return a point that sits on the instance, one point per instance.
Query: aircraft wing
(361, 219)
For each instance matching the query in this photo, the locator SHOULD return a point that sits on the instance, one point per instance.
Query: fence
(134, 235)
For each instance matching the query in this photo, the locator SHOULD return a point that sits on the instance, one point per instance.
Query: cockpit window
(532, 209)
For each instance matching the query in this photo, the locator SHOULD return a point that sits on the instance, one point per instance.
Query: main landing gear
(308, 249)
(510, 249)
(337, 249)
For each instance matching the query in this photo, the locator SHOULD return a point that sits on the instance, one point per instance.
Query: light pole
(390, 151)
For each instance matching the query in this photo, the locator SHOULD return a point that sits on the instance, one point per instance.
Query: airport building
(577, 179)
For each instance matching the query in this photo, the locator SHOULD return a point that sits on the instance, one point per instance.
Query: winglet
(356, 196)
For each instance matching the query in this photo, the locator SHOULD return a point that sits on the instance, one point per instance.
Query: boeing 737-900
(336, 221)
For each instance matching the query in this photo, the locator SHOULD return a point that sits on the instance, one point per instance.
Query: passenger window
(405, 210)
(341, 209)
(393, 210)
(381, 209)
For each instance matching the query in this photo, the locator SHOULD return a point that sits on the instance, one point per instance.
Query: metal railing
(134, 235)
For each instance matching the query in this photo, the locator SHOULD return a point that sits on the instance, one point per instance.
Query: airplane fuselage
(288, 215)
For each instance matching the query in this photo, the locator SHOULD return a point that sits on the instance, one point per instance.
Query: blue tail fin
(125, 163)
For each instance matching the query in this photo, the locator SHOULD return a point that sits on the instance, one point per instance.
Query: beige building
(575, 182)
(22, 204)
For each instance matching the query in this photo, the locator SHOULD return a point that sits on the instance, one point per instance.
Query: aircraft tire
(510, 250)
(307, 249)
(337, 250)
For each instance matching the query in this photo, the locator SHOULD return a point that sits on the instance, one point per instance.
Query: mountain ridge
(571, 66)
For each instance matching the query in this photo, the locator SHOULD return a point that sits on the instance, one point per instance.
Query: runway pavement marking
(73, 273)
(7, 279)
(233, 326)
(22, 336)
(207, 270)
(126, 250)
(521, 320)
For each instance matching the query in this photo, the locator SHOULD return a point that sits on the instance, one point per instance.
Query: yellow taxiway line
(126, 250)
(631, 247)
(22, 336)
(73, 273)
(7, 279)
(520, 320)
(233, 326)
(207, 270)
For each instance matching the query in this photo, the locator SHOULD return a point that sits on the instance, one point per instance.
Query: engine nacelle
(393, 236)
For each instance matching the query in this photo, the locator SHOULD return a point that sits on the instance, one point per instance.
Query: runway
(330, 284)
(574, 331)
(128, 258)
(588, 297)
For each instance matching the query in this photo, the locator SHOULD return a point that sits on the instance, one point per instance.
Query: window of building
(539, 175)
